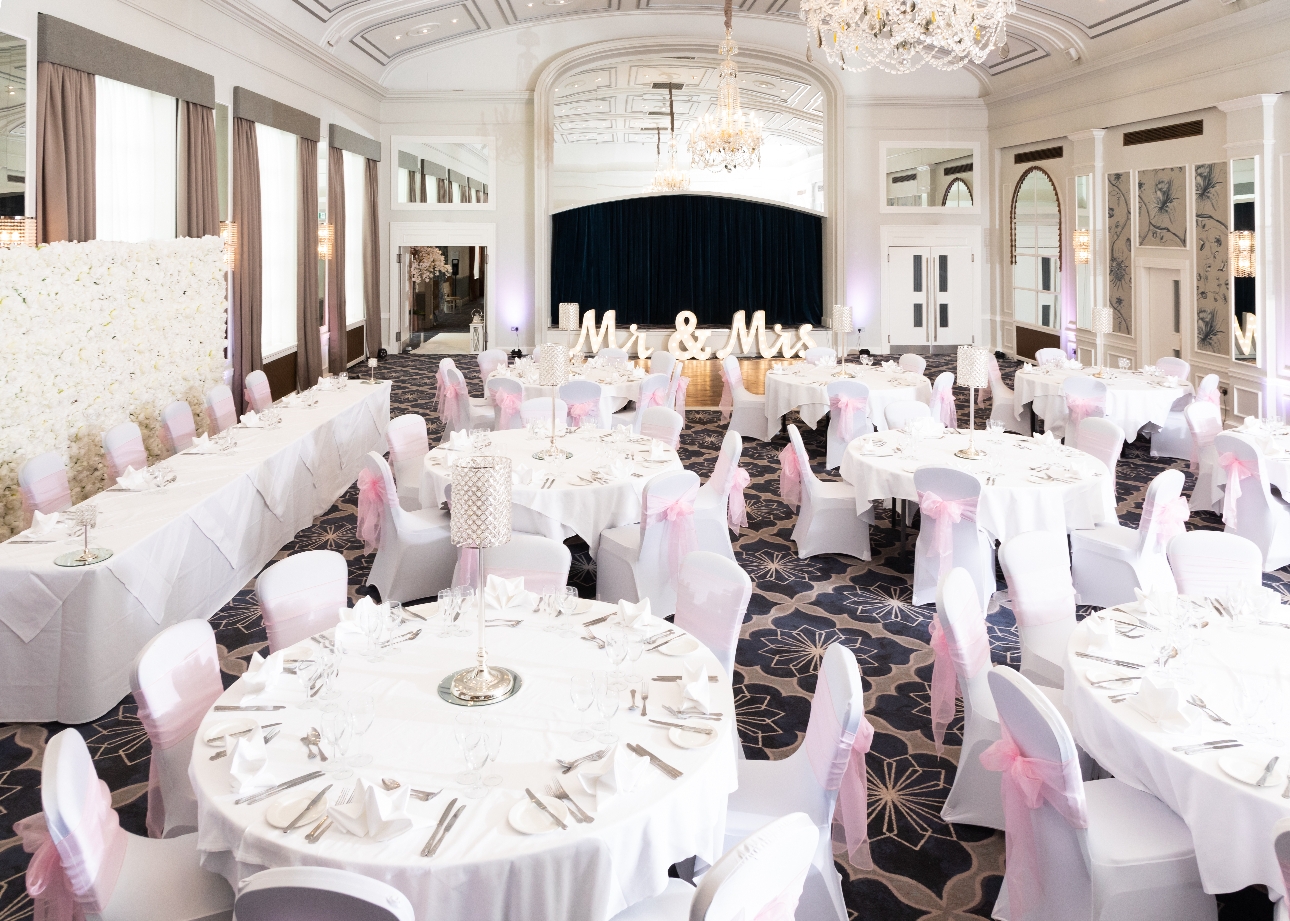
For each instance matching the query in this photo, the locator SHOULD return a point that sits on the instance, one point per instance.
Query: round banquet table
(571, 505)
(1230, 821)
(1133, 399)
(1015, 498)
(485, 870)
(617, 387)
(801, 387)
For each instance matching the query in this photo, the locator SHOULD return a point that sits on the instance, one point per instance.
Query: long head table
(68, 636)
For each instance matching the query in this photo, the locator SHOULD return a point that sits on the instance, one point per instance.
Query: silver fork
(692, 714)
(570, 765)
(556, 789)
(425, 796)
(325, 823)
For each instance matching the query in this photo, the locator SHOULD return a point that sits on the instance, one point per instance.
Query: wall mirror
(442, 173)
(1243, 261)
(929, 177)
(13, 126)
(1036, 262)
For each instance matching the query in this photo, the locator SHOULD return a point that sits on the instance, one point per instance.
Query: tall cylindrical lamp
(841, 318)
(1102, 319)
(973, 372)
(481, 518)
(553, 370)
(569, 317)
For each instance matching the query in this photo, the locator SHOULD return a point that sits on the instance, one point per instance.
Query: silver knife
(286, 785)
(663, 643)
(712, 678)
(303, 812)
(703, 729)
(1267, 771)
(425, 851)
(451, 822)
(1119, 662)
(225, 708)
(1202, 746)
(543, 806)
(268, 737)
(655, 760)
(215, 740)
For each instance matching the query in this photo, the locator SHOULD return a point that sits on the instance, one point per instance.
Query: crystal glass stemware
(607, 700)
(337, 732)
(362, 713)
(582, 692)
(493, 738)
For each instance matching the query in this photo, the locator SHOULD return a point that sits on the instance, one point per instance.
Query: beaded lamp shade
(1102, 319)
(481, 501)
(841, 318)
(569, 316)
(553, 365)
(973, 367)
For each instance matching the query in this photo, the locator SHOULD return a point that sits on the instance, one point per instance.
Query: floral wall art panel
(100, 333)
(1119, 226)
(1162, 207)
(1213, 283)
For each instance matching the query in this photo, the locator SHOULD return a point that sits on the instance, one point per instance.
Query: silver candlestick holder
(85, 517)
(553, 370)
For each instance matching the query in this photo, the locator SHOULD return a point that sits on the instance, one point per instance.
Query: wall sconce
(17, 231)
(1083, 247)
(1242, 253)
(326, 240)
(228, 233)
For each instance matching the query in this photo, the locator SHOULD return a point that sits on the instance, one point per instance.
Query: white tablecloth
(1230, 821)
(485, 870)
(1132, 400)
(68, 636)
(801, 387)
(1011, 503)
(584, 509)
(616, 388)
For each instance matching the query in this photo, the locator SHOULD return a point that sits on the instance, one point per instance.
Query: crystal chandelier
(732, 138)
(669, 178)
(899, 35)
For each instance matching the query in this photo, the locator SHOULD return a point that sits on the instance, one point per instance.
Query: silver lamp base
(970, 453)
(552, 453)
(479, 686)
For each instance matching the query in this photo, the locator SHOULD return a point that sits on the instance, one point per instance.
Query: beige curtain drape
(247, 269)
(309, 361)
(65, 137)
(372, 263)
(336, 352)
(199, 202)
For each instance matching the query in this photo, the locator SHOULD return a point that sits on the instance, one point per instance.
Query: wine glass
(582, 691)
(466, 607)
(635, 649)
(493, 738)
(446, 610)
(1125, 364)
(474, 750)
(569, 600)
(337, 732)
(607, 692)
(464, 725)
(397, 615)
(549, 605)
(362, 713)
(328, 669)
(306, 671)
(616, 651)
(371, 620)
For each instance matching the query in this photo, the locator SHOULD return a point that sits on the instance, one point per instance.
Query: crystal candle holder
(973, 372)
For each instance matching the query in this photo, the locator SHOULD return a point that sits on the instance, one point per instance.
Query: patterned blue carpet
(923, 867)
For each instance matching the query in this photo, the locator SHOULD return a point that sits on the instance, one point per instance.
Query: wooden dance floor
(705, 379)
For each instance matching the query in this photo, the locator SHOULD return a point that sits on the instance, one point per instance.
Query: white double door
(927, 297)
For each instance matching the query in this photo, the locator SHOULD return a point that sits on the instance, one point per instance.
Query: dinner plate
(224, 727)
(282, 812)
(1248, 767)
(528, 819)
(683, 738)
(681, 646)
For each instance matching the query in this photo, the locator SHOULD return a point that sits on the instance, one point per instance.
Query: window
(278, 216)
(1036, 227)
(355, 196)
(134, 168)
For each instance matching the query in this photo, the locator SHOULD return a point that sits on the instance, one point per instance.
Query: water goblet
(582, 692)
(635, 649)
(371, 620)
(306, 672)
(328, 670)
(607, 695)
(569, 600)
(469, 606)
(337, 732)
(446, 610)
(1125, 364)
(493, 739)
(397, 615)
(342, 380)
(549, 605)
(616, 651)
(474, 751)
(362, 713)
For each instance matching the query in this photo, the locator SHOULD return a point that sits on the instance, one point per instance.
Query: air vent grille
(1034, 156)
(667, 86)
(1165, 133)
(910, 178)
(956, 170)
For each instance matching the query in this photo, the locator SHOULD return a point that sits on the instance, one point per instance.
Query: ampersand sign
(690, 336)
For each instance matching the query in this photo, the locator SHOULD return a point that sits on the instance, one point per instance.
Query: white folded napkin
(248, 763)
(634, 615)
(290, 400)
(1160, 601)
(1159, 700)
(522, 475)
(623, 430)
(374, 812)
(361, 606)
(503, 595)
(1101, 636)
(260, 676)
(1073, 365)
(619, 772)
(133, 480)
(1252, 424)
(459, 441)
(252, 420)
(925, 428)
(890, 366)
(1046, 439)
(324, 383)
(656, 450)
(638, 374)
(619, 468)
(694, 686)
(42, 525)
(202, 445)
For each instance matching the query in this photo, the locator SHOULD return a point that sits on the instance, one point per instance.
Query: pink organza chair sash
(1079, 409)
(1040, 598)
(320, 602)
(578, 412)
(257, 396)
(508, 406)
(967, 657)
(943, 407)
(656, 397)
(224, 414)
(1237, 470)
(837, 760)
(678, 514)
(1026, 783)
(47, 494)
(736, 507)
(450, 393)
(1211, 396)
(727, 396)
(177, 432)
(790, 476)
(945, 513)
(1168, 519)
(371, 509)
(128, 454)
(844, 410)
(784, 906)
(678, 395)
(69, 877)
(663, 433)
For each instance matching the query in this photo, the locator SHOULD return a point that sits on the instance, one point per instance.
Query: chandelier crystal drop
(730, 138)
(899, 35)
(669, 178)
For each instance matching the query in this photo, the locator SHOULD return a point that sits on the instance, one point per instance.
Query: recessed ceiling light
(764, 85)
(454, 20)
(397, 37)
(574, 85)
(425, 29)
(555, 2)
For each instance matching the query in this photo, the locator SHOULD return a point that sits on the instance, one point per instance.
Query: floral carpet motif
(924, 868)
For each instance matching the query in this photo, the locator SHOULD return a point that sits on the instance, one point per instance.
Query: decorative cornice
(1248, 102)
(914, 102)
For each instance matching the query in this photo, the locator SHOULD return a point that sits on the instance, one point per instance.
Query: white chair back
(837, 708)
(1205, 420)
(123, 447)
(319, 894)
(844, 426)
(943, 407)
(1174, 367)
(583, 401)
(732, 448)
(221, 411)
(678, 386)
(1103, 439)
(661, 362)
(1162, 496)
(507, 396)
(810, 482)
(969, 548)
(539, 409)
(911, 362)
(1049, 356)
(1085, 397)
(177, 426)
(42, 483)
(959, 614)
(542, 562)
(1281, 847)
(302, 595)
(820, 355)
(1249, 508)
(458, 418)
(489, 361)
(1208, 392)
(660, 539)
(653, 393)
(903, 412)
(663, 424)
(734, 374)
(409, 444)
(762, 876)
(1037, 567)
(256, 393)
(711, 599)
(612, 354)
(1209, 564)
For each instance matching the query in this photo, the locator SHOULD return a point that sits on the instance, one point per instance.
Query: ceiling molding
(402, 96)
(914, 102)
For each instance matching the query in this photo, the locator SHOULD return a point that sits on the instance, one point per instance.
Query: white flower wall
(95, 334)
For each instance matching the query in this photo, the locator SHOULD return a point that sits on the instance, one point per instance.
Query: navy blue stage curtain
(650, 258)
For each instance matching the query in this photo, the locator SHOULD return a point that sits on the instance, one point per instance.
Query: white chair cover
(123, 447)
(409, 445)
(912, 362)
(543, 563)
(662, 424)
(583, 401)
(415, 555)
(711, 599)
(1104, 440)
(43, 486)
(943, 407)
(720, 504)
(1049, 356)
(1209, 564)
(539, 409)
(256, 393)
(221, 412)
(319, 894)
(1038, 571)
(177, 426)
(1249, 507)
(678, 386)
(900, 414)
(653, 392)
(661, 362)
(1208, 391)
(457, 410)
(848, 418)
(1204, 423)
(489, 361)
(949, 535)
(820, 355)
(1085, 398)
(1003, 404)
(507, 396)
(746, 412)
(612, 354)
(826, 521)
(302, 595)
(1175, 367)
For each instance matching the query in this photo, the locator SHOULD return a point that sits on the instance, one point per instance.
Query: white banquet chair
(1208, 392)
(612, 354)
(123, 447)
(712, 598)
(489, 361)
(1003, 404)
(1250, 509)
(746, 412)
(759, 878)
(507, 396)
(414, 553)
(1049, 356)
(1204, 423)
(720, 503)
(962, 665)
(539, 409)
(175, 680)
(812, 779)
(221, 412)
(1209, 564)
(661, 362)
(409, 445)
(177, 426)
(301, 595)
(112, 874)
(912, 362)
(638, 561)
(945, 493)
(458, 409)
(1107, 851)
(542, 562)
(820, 355)
(582, 398)
(942, 405)
(1174, 367)
(1173, 439)
(1037, 569)
(319, 894)
(661, 424)
(43, 486)
(1085, 398)
(826, 520)
(256, 392)
(900, 414)
(848, 418)
(1104, 440)
(677, 387)
(653, 392)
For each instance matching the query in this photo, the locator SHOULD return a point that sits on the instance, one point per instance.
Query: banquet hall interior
(573, 460)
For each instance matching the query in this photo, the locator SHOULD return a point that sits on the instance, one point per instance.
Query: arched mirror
(1036, 250)
(957, 195)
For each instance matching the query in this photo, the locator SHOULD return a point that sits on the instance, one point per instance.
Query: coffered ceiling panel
(668, 72)
(325, 9)
(1015, 52)
(416, 31)
(520, 11)
(590, 81)
(1098, 17)
(585, 107)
